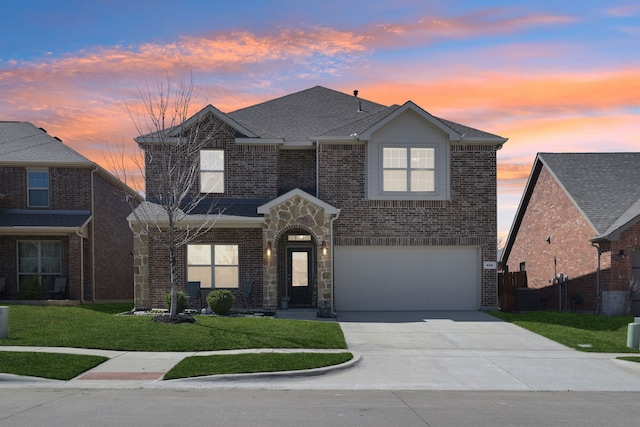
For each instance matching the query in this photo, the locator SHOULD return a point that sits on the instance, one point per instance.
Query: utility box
(527, 299)
(4, 322)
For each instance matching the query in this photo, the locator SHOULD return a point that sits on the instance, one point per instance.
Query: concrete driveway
(453, 351)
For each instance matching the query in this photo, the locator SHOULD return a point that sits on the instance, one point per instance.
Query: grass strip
(197, 366)
(630, 359)
(55, 366)
(583, 332)
(89, 327)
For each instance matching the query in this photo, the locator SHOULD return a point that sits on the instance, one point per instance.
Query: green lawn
(250, 363)
(87, 326)
(584, 332)
(55, 366)
(98, 326)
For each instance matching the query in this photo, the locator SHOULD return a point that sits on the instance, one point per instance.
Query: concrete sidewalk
(393, 351)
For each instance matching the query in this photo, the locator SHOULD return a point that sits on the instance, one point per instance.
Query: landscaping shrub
(182, 303)
(30, 289)
(220, 301)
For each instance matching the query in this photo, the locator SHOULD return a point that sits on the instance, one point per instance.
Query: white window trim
(408, 169)
(224, 159)
(39, 273)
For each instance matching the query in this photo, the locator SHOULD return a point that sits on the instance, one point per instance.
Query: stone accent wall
(297, 214)
(469, 218)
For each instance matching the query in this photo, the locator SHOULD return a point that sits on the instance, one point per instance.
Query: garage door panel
(407, 278)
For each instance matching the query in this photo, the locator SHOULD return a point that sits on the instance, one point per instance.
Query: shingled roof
(605, 187)
(24, 143)
(318, 112)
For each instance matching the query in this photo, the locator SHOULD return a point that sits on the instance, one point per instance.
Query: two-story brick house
(327, 198)
(61, 215)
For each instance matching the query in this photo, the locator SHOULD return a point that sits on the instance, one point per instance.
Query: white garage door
(407, 278)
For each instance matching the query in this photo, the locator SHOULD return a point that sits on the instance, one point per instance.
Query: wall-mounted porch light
(324, 248)
(268, 248)
(622, 254)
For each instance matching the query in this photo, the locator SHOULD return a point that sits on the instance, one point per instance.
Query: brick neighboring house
(61, 215)
(331, 199)
(579, 216)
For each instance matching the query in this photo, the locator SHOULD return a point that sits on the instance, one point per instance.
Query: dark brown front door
(299, 276)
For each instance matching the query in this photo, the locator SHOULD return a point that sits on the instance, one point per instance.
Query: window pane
(394, 180)
(212, 182)
(422, 158)
(27, 257)
(226, 277)
(394, 157)
(226, 254)
(199, 254)
(212, 160)
(38, 179)
(422, 180)
(299, 269)
(38, 197)
(200, 274)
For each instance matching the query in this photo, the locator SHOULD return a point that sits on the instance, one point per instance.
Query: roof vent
(55, 137)
(355, 93)
(43, 130)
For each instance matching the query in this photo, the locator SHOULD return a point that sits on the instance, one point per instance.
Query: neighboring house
(61, 215)
(330, 199)
(579, 217)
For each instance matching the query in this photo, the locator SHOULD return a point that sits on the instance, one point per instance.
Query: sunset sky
(551, 76)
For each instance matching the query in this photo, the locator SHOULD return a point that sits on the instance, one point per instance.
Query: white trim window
(407, 169)
(214, 266)
(38, 188)
(212, 171)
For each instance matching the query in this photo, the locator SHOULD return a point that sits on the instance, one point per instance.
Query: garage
(407, 278)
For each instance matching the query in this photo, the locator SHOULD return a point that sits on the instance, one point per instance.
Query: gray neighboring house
(61, 215)
(328, 199)
(580, 217)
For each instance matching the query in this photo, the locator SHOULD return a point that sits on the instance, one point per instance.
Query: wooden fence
(507, 282)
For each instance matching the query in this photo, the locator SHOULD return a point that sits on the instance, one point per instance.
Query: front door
(299, 276)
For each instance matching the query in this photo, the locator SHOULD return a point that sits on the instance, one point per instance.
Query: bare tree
(175, 211)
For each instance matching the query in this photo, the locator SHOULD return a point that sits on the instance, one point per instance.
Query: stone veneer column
(299, 213)
(141, 297)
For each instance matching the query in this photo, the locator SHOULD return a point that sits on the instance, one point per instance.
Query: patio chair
(246, 293)
(3, 289)
(193, 291)
(59, 288)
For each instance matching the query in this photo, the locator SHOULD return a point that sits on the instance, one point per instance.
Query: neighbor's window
(214, 266)
(212, 171)
(523, 266)
(408, 169)
(38, 188)
(40, 261)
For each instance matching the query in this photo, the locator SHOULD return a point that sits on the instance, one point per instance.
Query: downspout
(597, 246)
(79, 233)
(317, 169)
(93, 239)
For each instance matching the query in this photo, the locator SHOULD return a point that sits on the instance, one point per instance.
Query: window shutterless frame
(38, 188)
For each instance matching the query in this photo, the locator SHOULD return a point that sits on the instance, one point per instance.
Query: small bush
(30, 289)
(182, 303)
(220, 301)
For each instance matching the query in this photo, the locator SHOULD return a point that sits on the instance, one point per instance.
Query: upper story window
(38, 188)
(408, 169)
(212, 171)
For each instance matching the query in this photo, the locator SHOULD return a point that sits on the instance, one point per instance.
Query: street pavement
(452, 351)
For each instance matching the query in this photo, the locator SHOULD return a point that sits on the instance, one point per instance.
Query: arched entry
(297, 269)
